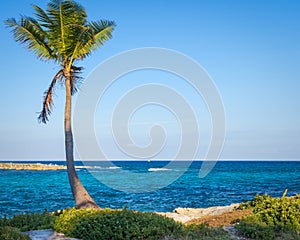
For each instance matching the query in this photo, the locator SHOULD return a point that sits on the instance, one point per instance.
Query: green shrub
(282, 211)
(203, 231)
(106, 224)
(10, 233)
(272, 218)
(127, 224)
(252, 228)
(115, 224)
(30, 221)
(69, 217)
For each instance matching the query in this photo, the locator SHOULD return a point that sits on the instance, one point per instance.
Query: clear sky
(250, 48)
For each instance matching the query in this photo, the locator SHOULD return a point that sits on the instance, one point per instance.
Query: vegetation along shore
(264, 217)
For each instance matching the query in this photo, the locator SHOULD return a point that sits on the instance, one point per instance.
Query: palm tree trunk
(80, 194)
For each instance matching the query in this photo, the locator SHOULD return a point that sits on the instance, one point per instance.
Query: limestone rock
(186, 214)
(48, 234)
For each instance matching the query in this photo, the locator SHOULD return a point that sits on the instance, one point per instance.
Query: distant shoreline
(151, 160)
(60, 165)
(34, 166)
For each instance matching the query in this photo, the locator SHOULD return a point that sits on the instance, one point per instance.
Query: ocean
(228, 182)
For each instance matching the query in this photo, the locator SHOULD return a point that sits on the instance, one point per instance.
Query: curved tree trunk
(81, 196)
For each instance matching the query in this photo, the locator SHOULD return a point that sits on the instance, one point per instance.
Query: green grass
(30, 221)
(11, 228)
(10, 233)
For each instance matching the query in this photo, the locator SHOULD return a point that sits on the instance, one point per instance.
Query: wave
(113, 168)
(106, 168)
(158, 169)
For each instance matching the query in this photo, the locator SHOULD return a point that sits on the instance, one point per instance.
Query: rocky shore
(185, 215)
(35, 166)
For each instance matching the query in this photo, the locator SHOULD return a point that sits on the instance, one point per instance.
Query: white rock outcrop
(186, 214)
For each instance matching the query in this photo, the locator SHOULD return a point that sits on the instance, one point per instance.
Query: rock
(234, 233)
(186, 214)
(177, 217)
(48, 234)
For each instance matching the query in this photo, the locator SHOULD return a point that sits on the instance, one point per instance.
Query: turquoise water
(228, 182)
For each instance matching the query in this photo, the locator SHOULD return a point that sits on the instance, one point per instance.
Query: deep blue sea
(228, 182)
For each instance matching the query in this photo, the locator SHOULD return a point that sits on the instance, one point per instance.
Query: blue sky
(251, 49)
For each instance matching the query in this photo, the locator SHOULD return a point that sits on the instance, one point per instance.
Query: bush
(251, 228)
(115, 224)
(128, 224)
(272, 218)
(106, 224)
(282, 211)
(69, 217)
(29, 221)
(9, 233)
(203, 231)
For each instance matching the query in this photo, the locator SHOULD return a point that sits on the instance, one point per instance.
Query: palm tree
(62, 34)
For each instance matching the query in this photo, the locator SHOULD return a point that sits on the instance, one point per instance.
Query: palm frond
(48, 99)
(76, 79)
(67, 7)
(83, 37)
(102, 32)
(27, 32)
(92, 37)
(42, 16)
(64, 15)
(63, 34)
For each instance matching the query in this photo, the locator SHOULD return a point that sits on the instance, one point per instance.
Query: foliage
(128, 224)
(272, 218)
(69, 217)
(252, 228)
(282, 211)
(29, 221)
(9, 233)
(116, 224)
(62, 34)
(203, 231)
(106, 224)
